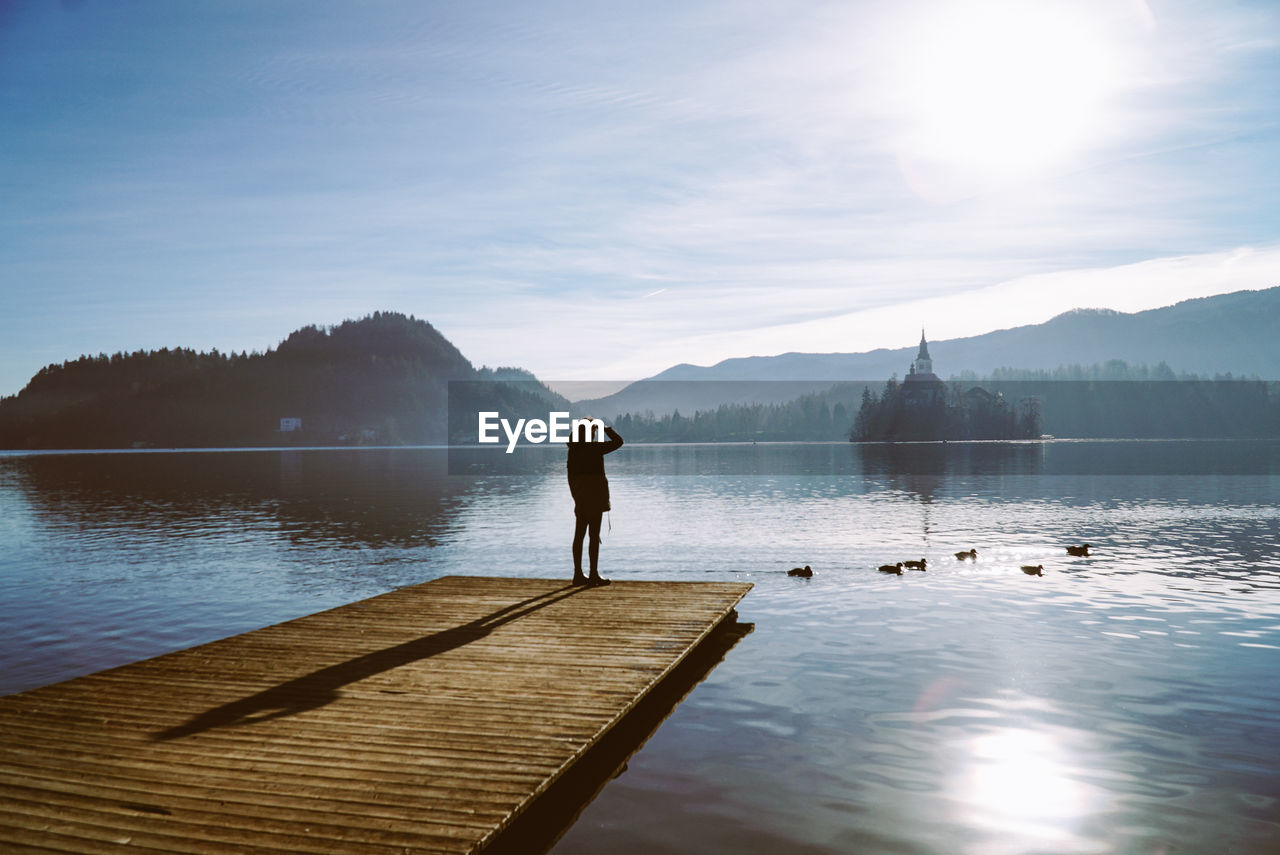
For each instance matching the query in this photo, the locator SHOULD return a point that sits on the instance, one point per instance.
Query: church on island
(921, 408)
(921, 387)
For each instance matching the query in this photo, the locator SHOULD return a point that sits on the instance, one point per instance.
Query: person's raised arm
(615, 441)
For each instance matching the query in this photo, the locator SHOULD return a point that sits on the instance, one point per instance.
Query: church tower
(921, 387)
(923, 364)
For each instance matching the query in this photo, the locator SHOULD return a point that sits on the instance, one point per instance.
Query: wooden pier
(428, 720)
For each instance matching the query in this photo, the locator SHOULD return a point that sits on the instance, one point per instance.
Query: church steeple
(923, 364)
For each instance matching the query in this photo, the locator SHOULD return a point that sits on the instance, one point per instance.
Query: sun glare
(1001, 89)
(1021, 786)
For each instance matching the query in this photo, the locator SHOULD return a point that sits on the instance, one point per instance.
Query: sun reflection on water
(1021, 785)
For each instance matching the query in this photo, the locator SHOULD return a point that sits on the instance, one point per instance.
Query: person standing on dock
(590, 489)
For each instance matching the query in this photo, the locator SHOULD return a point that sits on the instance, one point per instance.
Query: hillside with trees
(384, 379)
(824, 416)
(1099, 400)
(389, 379)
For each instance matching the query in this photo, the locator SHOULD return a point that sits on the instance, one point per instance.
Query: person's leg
(593, 547)
(579, 532)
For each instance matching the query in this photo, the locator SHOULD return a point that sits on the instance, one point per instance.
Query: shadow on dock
(321, 687)
(535, 830)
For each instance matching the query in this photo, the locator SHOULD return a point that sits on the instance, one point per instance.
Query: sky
(598, 191)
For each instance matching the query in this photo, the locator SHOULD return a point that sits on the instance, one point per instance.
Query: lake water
(1127, 702)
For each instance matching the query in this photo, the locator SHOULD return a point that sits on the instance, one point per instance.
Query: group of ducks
(922, 564)
(1082, 550)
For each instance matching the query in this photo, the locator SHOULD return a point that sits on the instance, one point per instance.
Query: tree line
(955, 412)
(1111, 399)
(383, 379)
(392, 379)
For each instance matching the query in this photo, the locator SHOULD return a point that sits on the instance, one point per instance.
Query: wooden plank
(425, 720)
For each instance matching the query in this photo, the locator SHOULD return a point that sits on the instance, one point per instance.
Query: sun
(1001, 89)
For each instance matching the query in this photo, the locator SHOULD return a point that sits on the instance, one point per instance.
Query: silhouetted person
(590, 489)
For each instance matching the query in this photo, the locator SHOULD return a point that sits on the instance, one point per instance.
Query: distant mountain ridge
(1232, 333)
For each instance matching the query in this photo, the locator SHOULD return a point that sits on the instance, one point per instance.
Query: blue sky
(599, 191)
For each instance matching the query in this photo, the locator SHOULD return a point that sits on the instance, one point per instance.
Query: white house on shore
(289, 425)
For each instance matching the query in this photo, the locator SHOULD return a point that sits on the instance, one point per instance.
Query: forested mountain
(1228, 333)
(382, 379)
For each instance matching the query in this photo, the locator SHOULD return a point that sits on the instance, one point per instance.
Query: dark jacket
(587, 483)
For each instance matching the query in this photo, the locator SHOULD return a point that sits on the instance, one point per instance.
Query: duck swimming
(914, 565)
(1033, 570)
(891, 568)
(803, 572)
(972, 553)
(1078, 550)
